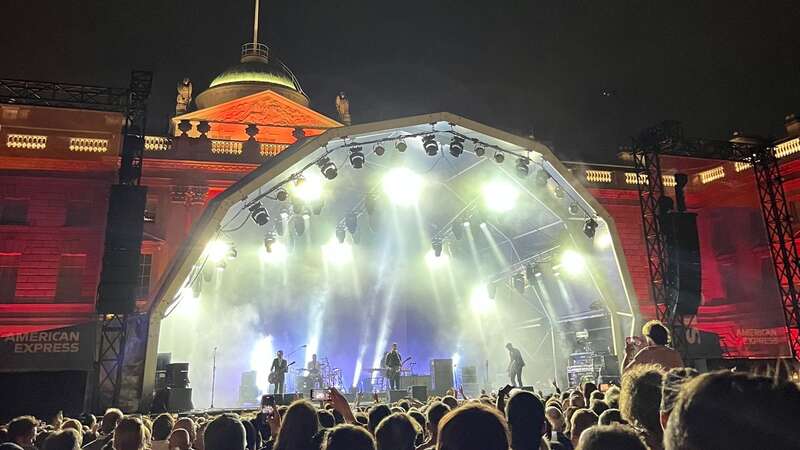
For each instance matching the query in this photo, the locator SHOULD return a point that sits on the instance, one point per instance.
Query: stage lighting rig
(531, 272)
(401, 146)
(281, 195)
(328, 168)
(430, 145)
(456, 146)
(499, 157)
(541, 178)
(340, 234)
(559, 192)
(574, 209)
(480, 151)
(351, 222)
(269, 241)
(379, 150)
(518, 280)
(259, 214)
(436, 244)
(589, 227)
(356, 157)
(522, 167)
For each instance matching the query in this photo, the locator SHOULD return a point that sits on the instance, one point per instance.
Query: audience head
(581, 421)
(436, 411)
(326, 419)
(348, 437)
(110, 419)
(22, 431)
(187, 423)
(611, 397)
(670, 387)
(732, 411)
(577, 400)
(72, 424)
(598, 406)
(298, 426)
(396, 432)
(656, 333)
(450, 401)
(457, 429)
(68, 439)
(251, 436)
(617, 437)
(376, 414)
(226, 432)
(129, 434)
(588, 388)
(640, 398)
(179, 438)
(525, 417)
(556, 418)
(609, 416)
(162, 426)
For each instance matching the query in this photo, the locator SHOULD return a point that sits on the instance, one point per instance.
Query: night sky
(582, 76)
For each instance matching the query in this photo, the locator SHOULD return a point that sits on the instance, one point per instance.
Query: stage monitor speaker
(469, 374)
(397, 395)
(441, 375)
(419, 393)
(180, 399)
(683, 250)
(178, 375)
(119, 278)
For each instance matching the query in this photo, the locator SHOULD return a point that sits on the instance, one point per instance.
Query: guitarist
(515, 365)
(277, 372)
(393, 362)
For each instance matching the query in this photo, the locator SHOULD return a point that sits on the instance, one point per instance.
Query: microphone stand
(213, 375)
(292, 353)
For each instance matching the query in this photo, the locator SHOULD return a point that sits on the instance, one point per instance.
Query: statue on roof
(343, 108)
(184, 97)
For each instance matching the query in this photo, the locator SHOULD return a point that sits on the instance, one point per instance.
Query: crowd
(653, 408)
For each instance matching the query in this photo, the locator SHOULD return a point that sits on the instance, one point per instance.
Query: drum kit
(326, 376)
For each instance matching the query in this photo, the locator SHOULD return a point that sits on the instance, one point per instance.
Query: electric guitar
(273, 375)
(392, 371)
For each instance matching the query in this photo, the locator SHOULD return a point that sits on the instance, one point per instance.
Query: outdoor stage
(443, 235)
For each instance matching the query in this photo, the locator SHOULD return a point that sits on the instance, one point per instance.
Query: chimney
(792, 124)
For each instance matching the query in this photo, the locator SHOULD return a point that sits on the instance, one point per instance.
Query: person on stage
(315, 372)
(515, 365)
(278, 371)
(393, 361)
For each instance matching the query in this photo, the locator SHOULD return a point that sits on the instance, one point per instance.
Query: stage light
(435, 262)
(430, 145)
(281, 195)
(216, 250)
(531, 272)
(274, 252)
(542, 177)
(456, 146)
(336, 252)
(603, 240)
(299, 225)
(480, 301)
(499, 196)
(351, 222)
(458, 230)
(341, 233)
(356, 157)
(269, 241)
(522, 167)
(589, 227)
(307, 188)
(480, 151)
(259, 214)
(328, 168)
(574, 209)
(188, 302)
(559, 192)
(456, 359)
(572, 261)
(379, 150)
(401, 146)
(402, 186)
(436, 244)
(518, 281)
(499, 157)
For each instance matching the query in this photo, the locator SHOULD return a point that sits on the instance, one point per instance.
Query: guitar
(392, 371)
(273, 375)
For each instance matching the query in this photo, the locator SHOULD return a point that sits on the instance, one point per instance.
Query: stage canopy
(438, 233)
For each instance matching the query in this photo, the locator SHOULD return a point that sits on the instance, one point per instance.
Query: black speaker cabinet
(180, 400)
(683, 255)
(396, 396)
(419, 393)
(441, 375)
(178, 375)
(116, 292)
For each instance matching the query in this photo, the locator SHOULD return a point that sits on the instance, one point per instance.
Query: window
(143, 287)
(78, 214)
(70, 278)
(150, 210)
(9, 264)
(13, 212)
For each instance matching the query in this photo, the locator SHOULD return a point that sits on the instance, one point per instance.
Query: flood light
(356, 157)
(480, 301)
(430, 145)
(328, 168)
(336, 252)
(456, 146)
(308, 187)
(435, 262)
(216, 250)
(522, 167)
(589, 227)
(259, 214)
(499, 196)
(572, 262)
(402, 186)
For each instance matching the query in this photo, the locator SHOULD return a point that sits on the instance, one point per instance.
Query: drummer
(315, 372)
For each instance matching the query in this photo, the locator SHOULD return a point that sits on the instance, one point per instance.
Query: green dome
(257, 72)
